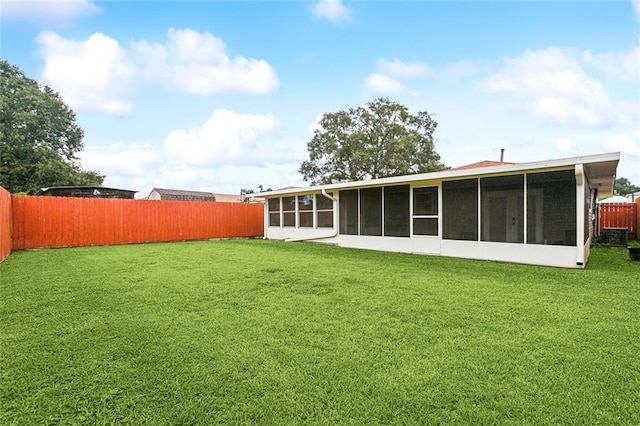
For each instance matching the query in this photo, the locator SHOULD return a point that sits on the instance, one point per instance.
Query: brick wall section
(5, 224)
(40, 222)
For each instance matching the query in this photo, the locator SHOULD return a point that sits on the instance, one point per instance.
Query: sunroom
(536, 213)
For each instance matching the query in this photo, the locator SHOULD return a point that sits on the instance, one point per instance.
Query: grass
(261, 332)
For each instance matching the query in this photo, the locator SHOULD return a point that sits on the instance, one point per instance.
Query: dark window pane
(323, 203)
(274, 219)
(305, 202)
(460, 210)
(396, 211)
(349, 212)
(306, 220)
(425, 226)
(425, 201)
(274, 204)
(502, 209)
(289, 219)
(289, 204)
(325, 219)
(551, 208)
(371, 211)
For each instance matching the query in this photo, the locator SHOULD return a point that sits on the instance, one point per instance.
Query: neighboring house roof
(180, 195)
(87, 192)
(600, 170)
(228, 198)
(484, 163)
(615, 199)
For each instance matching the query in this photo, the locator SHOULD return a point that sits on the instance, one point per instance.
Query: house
(87, 192)
(535, 213)
(180, 195)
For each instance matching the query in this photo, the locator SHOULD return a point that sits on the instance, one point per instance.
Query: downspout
(580, 182)
(321, 237)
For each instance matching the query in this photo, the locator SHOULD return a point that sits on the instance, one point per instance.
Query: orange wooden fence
(638, 218)
(5, 224)
(619, 215)
(40, 222)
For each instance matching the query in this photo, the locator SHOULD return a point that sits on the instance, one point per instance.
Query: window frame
(425, 216)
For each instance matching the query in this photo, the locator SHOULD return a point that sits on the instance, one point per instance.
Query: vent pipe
(501, 155)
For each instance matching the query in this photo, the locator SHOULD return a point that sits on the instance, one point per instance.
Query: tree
(377, 140)
(39, 137)
(624, 187)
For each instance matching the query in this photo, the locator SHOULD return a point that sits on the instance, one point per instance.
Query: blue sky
(218, 96)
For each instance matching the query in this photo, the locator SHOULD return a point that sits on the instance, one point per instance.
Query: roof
(183, 195)
(600, 170)
(615, 199)
(87, 191)
(484, 163)
(228, 198)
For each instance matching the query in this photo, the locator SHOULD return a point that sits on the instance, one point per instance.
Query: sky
(219, 95)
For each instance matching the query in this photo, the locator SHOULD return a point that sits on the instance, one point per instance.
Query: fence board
(638, 218)
(5, 224)
(40, 222)
(619, 215)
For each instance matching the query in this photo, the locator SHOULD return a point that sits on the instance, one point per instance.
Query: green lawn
(261, 332)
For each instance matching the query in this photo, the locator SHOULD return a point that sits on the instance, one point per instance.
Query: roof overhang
(600, 170)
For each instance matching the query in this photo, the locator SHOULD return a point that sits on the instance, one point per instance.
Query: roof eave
(455, 174)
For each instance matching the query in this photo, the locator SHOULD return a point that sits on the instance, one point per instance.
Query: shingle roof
(182, 195)
(484, 163)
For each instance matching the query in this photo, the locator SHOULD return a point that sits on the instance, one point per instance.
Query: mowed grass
(262, 332)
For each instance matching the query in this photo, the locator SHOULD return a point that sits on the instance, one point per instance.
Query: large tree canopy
(39, 137)
(379, 139)
(624, 187)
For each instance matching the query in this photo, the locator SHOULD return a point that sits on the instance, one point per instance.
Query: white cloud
(315, 125)
(47, 11)
(636, 8)
(195, 62)
(561, 90)
(623, 65)
(564, 145)
(90, 75)
(96, 74)
(121, 160)
(226, 138)
(625, 143)
(333, 10)
(384, 85)
(387, 80)
(400, 69)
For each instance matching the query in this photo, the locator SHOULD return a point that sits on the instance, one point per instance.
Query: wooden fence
(5, 224)
(638, 218)
(40, 222)
(619, 215)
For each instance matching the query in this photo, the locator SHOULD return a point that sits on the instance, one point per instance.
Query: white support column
(580, 183)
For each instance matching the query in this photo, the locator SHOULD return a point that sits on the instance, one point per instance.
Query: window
(551, 208)
(502, 209)
(288, 211)
(396, 211)
(460, 210)
(425, 211)
(371, 211)
(324, 213)
(274, 211)
(349, 212)
(305, 211)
